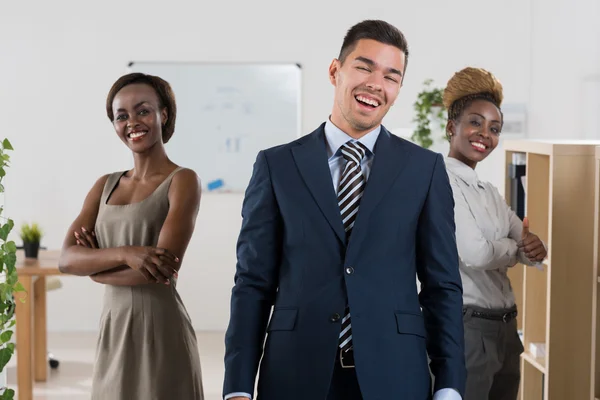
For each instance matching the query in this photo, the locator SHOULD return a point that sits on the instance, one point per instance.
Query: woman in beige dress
(131, 235)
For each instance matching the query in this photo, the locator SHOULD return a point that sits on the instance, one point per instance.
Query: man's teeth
(480, 145)
(368, 101)
(134, 135)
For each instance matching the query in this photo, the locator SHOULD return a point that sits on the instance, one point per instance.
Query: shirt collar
(336, 138)
(463, 171)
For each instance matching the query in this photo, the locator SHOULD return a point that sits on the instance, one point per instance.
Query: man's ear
(333, 71)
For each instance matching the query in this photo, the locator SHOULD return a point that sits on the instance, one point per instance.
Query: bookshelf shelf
(557, 305)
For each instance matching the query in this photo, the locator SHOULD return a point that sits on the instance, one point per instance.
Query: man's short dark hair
(378, 30)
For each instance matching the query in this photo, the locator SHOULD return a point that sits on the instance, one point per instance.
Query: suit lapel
(311, 159)
(390, 158)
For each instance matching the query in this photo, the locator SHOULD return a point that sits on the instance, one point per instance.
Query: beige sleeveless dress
(146, 348)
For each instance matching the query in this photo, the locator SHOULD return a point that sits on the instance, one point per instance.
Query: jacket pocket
(411, 324)
(283, 319)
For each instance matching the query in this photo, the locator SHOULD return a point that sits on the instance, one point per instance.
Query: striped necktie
(350, 191)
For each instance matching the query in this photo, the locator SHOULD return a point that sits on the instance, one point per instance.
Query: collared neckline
(336, 138)
(463, 171)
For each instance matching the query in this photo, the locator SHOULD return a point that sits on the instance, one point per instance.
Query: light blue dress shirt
(336, 138)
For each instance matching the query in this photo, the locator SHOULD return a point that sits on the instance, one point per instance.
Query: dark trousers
(492, 350)
(344, 384)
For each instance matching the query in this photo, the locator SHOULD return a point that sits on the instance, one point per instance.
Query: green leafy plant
(429, 109)
(31, 233)
(10, 284)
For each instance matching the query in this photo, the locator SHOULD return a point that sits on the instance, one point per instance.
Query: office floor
(72, 380)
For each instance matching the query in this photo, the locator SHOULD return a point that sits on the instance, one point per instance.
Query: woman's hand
(531, 244)
(86, 238)
(155, 264)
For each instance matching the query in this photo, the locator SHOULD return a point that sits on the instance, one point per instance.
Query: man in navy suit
(336, 225)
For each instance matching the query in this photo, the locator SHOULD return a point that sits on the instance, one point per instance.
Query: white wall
(565, 69)
(58, 60)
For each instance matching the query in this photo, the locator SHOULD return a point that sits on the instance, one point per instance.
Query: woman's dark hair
(165, 94)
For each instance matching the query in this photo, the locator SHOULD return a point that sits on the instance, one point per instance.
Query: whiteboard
(227, 113)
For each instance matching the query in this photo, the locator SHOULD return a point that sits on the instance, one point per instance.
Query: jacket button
(349, 270)
(335, 317)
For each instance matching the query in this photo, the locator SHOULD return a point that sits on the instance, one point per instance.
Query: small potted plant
(429, 109)
(31, 236)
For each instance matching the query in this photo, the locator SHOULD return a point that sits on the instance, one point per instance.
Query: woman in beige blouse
(490, 238)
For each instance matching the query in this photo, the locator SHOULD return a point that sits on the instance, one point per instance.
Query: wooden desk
(32, 361)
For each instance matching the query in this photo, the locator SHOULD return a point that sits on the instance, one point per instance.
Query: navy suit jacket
(293, 260)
